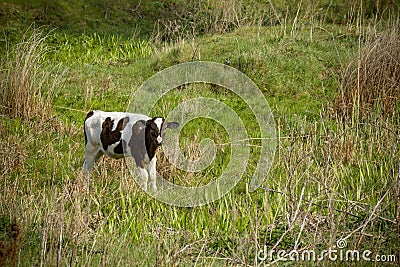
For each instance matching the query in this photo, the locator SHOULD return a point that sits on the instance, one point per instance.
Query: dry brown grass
(27, 86)
(372, 80)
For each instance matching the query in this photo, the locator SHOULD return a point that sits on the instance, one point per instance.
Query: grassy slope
(344, 169)
(292, 72)
(74, 16)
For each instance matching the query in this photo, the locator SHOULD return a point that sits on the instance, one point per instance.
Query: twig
(73, 109)
(371, 216)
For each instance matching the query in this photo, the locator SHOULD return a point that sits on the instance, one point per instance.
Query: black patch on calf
(90, 114)
(108, 136)
(151, 133)
(118, 149)
(137, 143)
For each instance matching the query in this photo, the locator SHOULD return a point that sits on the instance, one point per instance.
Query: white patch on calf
(159, 122)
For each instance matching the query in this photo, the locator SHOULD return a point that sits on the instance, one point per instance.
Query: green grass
(330, 179)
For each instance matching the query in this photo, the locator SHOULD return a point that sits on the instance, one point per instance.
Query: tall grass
(372, 80)
(27, 85)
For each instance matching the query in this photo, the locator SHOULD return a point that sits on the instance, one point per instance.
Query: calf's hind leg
(92, 155)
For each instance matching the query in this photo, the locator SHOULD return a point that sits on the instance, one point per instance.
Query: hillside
(147, 17)
(328, 70)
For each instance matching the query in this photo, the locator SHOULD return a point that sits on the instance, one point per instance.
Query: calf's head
(147, 136)
(155, 130)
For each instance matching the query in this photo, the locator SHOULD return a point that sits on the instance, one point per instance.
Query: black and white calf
(120, 134)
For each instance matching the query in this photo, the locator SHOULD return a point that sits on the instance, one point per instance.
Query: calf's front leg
(153, 173)
(143, 178)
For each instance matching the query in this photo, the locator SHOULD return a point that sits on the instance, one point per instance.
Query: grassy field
(336, 171)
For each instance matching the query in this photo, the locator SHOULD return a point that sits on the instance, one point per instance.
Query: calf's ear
(172, 125)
